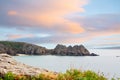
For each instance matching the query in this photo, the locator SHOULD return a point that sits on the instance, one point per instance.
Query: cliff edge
(15, 48)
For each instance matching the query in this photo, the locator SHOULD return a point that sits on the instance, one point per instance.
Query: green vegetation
(14, 45)
(80, 75)
(9, 76)
(72, 74)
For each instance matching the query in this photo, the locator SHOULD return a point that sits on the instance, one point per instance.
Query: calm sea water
(107, 62)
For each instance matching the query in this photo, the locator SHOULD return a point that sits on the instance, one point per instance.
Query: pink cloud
(49, 13)
(17, 36)
(12, 12)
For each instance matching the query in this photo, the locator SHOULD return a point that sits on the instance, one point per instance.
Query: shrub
(1, 78)
(9, 76)
(72, 74)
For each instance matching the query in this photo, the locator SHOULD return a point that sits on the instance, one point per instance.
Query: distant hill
(15, 48)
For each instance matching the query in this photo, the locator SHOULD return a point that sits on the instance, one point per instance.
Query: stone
(8, 64)
(93, 54)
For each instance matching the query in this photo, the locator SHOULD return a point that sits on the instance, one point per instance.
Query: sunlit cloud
(11, 13)
(17, 36)
(45, 14)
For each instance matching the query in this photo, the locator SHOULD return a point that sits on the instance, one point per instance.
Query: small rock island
(15, 48)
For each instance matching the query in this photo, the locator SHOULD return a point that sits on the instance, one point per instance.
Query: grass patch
(72, 74)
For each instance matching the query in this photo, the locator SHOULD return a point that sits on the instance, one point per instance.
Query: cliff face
(71, 51)
(14, 48)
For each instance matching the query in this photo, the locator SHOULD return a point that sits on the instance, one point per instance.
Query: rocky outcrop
(8, 64)
(93, 54)
(15, 48)
(60, 50)
(77, 50)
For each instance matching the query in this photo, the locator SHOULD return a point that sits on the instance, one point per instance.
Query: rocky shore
(16, 48)
(10, 69)
(9, 64)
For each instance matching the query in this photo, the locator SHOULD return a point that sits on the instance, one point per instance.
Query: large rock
(77, 50)
(8, 64)
(60, 50)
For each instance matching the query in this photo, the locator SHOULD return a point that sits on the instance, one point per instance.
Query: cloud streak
(17, 36)
(42, 14)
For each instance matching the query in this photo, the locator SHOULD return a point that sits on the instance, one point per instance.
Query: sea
(107, 63)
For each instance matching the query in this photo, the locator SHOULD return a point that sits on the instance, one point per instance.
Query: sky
(93, 23)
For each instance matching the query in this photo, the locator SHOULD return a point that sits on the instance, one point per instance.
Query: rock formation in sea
(77, 50)
(8, 64)
(15, 48)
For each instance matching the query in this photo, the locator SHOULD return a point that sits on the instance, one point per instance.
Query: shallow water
(107, 62)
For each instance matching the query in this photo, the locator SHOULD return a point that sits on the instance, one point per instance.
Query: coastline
(16, 48)
(22, 55)
(9, 64)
